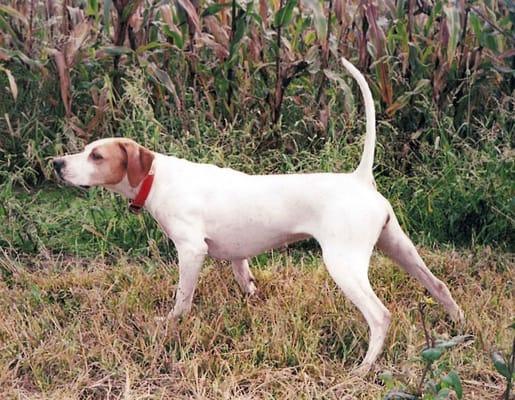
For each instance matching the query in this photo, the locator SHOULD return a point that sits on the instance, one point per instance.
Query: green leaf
(489, 42)
(386, 377)
(432, 354)
(445, 344)
(476, 25)
(151, 46)
(452, 380)
(500, 364)
(454, 27)
(284, 15)
(319, 18)
(175, 36)
(443, 394)
(91, 8)
(13, 13)
(215, 9)
(107, 9)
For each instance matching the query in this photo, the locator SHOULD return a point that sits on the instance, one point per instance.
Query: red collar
(139, 201)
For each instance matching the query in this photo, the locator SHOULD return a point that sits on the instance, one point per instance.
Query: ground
(86, 328)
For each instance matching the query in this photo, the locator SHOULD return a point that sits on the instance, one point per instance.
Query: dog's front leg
(191, 258)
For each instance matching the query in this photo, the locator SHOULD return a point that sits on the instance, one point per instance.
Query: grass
(85, 328)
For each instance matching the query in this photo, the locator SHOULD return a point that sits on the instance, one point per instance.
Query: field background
(255, 86)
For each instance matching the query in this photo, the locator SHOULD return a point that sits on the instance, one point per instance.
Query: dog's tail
(364, 169)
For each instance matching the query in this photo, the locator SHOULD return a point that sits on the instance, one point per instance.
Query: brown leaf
(379, 40)
(12, 82)
(64, 79)
(136, 19)
(77, 37)
(220, 51)
(263, 11)
(214, 27)
(166, 12)
(100, 104)
(193, 18)
(4, 56)
(255, 44)
(76, 15)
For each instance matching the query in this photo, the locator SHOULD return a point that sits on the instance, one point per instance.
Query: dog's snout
(58, 165)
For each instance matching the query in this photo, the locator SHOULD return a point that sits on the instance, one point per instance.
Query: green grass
(85, 328)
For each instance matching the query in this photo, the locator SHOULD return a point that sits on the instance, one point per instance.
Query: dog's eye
(96, 156)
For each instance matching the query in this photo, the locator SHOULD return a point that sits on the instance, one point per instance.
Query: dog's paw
(362, 371)
(251, 288)
(458, 316)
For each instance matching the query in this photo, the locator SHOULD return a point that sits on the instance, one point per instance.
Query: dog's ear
(138, 161)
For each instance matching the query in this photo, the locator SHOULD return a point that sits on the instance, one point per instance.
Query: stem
(325, 59)
(230, 72)
(429, 343)
(422, 379)
(120, 38)
(511, 369)
(278, 85)
(31, 16)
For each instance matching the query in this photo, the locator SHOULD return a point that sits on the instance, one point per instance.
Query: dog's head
(106, 162)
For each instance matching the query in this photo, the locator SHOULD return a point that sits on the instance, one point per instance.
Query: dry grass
(86, 329)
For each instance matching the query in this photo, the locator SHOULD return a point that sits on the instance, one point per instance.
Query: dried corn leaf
(64, 79)
(193, 17)
(77, 37)
(12, 82)
(13, 13)
(218, 32)
(136, 19)
(220, 51)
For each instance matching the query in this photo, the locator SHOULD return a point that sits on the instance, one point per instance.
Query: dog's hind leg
(348, 266)
(396, 244)
(244, 276)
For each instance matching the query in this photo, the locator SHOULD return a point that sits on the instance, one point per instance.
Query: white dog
(229, 215)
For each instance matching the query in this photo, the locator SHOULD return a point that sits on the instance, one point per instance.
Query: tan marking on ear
(138, 161)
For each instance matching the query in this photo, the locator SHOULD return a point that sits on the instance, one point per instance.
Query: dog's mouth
(63, 180)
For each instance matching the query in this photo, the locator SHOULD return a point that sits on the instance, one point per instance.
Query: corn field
(227, 57)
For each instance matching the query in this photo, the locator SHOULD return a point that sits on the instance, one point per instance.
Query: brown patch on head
(138, 161)
(115, 159)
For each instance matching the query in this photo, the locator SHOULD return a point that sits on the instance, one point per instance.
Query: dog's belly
(235, 247)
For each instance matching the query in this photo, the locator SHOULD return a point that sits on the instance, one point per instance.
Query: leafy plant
(506, 366)
(437, 382)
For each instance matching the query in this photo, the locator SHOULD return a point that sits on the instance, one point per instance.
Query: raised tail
(364, 169)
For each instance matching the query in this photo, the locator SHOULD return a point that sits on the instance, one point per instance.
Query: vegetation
(257, 86)
(85, 328)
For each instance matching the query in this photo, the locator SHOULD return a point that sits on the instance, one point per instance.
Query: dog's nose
(58, 165)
